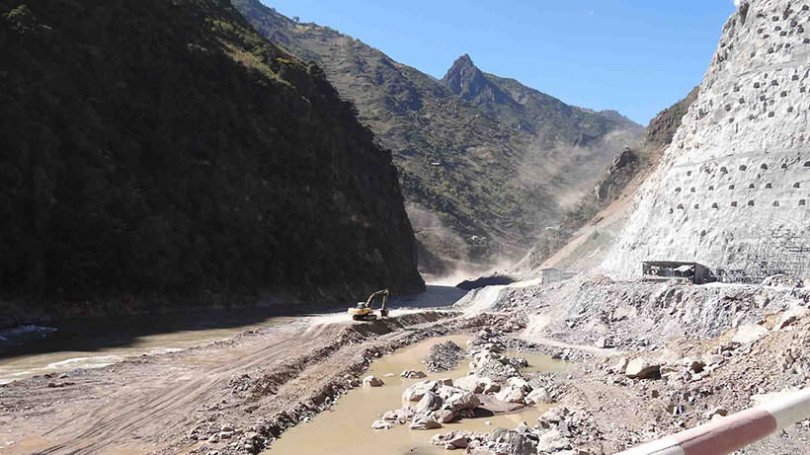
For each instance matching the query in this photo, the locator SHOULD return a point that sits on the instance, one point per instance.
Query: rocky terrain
(731, 191)
(539, 154)
(633, 360)
(164, 154)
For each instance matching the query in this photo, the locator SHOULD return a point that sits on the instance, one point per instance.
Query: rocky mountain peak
(468, 82)
(465, 79)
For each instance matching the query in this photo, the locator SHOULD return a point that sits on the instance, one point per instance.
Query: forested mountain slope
(163, 149)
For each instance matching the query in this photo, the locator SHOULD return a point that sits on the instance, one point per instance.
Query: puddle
(346, 428)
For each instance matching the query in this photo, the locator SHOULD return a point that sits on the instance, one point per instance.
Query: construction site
(676, 321)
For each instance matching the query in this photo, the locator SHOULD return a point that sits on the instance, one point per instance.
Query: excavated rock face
(732, 190)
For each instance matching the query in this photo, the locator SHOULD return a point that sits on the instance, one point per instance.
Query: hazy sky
(635, 56)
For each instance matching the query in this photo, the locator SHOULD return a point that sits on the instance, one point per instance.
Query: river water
(94, 343)
(346, 428)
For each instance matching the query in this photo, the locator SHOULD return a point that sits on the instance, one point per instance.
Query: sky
(635, 56)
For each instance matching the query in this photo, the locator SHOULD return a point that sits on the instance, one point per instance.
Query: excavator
(364, 311)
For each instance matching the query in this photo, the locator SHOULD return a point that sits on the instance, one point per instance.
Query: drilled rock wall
(732, 190)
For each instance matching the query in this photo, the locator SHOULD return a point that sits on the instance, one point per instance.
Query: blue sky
(635, 56)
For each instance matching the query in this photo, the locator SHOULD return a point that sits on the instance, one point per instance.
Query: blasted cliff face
(732, 190)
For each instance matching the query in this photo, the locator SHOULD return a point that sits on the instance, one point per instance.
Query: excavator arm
(365, 311)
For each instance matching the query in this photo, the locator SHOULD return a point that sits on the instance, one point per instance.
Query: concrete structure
(733, 190)
(663, 270)
(552, 275)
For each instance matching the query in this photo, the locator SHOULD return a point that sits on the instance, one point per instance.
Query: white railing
(727, 434)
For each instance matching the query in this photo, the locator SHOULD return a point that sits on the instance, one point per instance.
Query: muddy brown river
(96, 343)
(346, 428)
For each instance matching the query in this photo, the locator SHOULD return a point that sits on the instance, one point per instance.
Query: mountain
(527, 109)
(162, 149)
(485, 162)
(731, 190)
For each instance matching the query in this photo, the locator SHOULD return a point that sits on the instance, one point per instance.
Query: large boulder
(475, 384)
(518, 382)
(512, 442)
(552, 441)
(538, 396)
(425, 422)
(511, 394)
(416, 391)
(456, 399)
(641, 368)
(431, 401)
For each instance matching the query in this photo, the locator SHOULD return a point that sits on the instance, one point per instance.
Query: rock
(512, 442)
(620, 366)
(445, 381)
(381, 425)
(641, 368)
(623, 312)
(413, 374)
(452, 441)
(444, 415)
(458, 442)
(424, 422)
(472, 383)
(552, 417)
(418, 390)
(444, 356)
(552, 441)
(793, 314)
(456, 399)
(430, 402)
(511, 395)
(518, 382)
(373, 381)
(538, 396)
(749, 333)
(498, 369)
(783, 280)
(604, 343)
(695, 366)
(716, 411)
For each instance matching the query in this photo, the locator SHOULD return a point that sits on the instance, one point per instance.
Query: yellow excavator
(364, 311)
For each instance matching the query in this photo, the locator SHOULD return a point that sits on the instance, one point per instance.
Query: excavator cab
(364, 311)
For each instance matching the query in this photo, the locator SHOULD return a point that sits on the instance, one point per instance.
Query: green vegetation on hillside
(163, 148)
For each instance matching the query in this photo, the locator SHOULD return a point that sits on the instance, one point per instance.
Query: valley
(198, 196)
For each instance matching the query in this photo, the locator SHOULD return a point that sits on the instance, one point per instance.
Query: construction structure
(733, 189)
(672, 270)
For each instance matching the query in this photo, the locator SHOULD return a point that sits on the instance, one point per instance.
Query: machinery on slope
(364, 311)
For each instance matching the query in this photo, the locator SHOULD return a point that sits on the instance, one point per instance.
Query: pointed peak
(465, 58)
(462, 67)
(463, 61)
